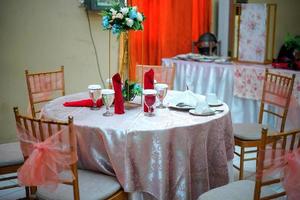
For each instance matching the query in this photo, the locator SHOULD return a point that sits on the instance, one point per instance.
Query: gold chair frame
(284, 81)
(28, 124)
(32, 102)
(272, 151)
(167, 73)
(287, 143)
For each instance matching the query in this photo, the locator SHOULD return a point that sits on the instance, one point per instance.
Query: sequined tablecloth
(173, 155)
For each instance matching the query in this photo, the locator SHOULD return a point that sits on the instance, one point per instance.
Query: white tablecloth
(203, 78)
(172, 155)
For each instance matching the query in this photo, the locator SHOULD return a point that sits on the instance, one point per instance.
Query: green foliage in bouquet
(292, 42)
(131, 90)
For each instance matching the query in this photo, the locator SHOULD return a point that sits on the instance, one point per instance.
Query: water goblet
(108, 96)
(95, 94)
(161, 93)
(149, 99)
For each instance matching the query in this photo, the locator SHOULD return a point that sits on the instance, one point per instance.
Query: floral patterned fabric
(248, 81)
(252, 35)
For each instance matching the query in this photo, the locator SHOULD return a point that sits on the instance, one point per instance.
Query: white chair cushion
(246, 131)
(10, 154)
(239, 190)
(92, 186)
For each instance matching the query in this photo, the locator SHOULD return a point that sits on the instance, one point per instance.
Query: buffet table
(229, 81)
(173, 155)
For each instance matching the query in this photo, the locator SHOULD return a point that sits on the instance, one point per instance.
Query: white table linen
(204, 78)
(172, 155)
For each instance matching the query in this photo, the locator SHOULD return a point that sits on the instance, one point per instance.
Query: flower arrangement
(120, 19)
(131, 90)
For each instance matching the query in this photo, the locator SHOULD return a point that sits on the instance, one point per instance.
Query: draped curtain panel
(169, 29)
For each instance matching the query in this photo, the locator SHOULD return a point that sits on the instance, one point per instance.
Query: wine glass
(108, 96)
(95, 93)
(109, 83)
(149, 99)
(161, 93)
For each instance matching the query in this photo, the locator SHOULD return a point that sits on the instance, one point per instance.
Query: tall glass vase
(124, 56)
(124, 68)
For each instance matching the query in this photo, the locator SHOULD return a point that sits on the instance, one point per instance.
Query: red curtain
(169, 29)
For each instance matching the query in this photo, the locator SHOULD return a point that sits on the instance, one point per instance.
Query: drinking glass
(108, 96)
(149, 99)
(161, 93)
(95, 93)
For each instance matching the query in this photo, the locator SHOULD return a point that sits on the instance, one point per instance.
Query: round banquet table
(172, 155)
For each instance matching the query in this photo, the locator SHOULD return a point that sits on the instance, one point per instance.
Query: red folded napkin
(148, 84)
(83, 103)
(119, 101)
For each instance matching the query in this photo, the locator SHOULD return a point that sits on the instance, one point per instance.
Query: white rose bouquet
(120, 19)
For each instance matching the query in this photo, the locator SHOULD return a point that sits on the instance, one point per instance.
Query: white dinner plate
(184, 108)
(223, 62)
(205, 60)
(193, 112)
(219, 103)
(182, 57)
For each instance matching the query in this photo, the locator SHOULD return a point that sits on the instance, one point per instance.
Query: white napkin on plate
(187, 98)
(203, 108)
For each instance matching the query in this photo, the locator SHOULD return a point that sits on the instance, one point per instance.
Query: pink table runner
(248, 80)
(173, 155)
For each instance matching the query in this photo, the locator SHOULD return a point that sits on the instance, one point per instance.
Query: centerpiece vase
(124, 71)
(124, 59)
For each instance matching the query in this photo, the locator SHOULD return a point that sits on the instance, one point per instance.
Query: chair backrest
(43, 129)
(272, 150)
(43, 87)
(162, 74)
(277, 91)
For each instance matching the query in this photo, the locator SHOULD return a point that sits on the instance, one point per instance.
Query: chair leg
(241, 175)
(27, 192)
(32, 192)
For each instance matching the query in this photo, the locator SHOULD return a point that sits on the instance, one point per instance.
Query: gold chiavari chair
(43, 87)
(86, 184)
(277, 91)
(162, 74)
(271, 150)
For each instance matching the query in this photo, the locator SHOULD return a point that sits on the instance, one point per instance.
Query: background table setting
(173, 153)
(237, 84)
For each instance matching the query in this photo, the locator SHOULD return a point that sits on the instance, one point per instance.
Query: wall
(40, 35)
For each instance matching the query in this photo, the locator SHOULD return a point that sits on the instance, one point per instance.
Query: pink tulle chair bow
(48, 162)
(291, 180)
(288, 164)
